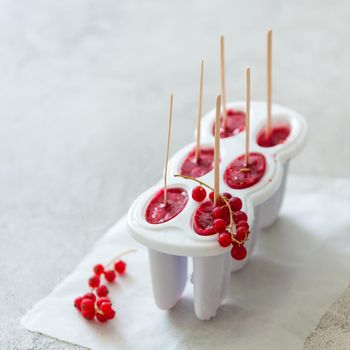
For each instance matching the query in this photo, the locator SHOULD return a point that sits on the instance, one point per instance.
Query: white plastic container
(171, 243)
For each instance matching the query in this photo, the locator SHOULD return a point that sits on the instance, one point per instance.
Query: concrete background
(84, 88)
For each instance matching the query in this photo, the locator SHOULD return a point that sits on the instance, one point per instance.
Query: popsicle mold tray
(172, 242)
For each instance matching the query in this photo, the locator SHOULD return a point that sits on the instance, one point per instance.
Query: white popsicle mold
(170, 243)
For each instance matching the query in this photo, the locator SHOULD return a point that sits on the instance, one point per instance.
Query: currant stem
(193, 179)
(231, 215)
(98, 311)
(120, 255)
(221, 197)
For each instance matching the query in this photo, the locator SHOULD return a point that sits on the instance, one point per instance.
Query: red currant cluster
(225, 214)
(96, 304)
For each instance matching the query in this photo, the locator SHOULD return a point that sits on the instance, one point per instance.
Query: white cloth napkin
(301, 265)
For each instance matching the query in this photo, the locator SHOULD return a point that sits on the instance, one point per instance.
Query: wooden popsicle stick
(217, 150)
(223, 81)
(167, 151)
(269, 84)
(247, 120)
(199, 115)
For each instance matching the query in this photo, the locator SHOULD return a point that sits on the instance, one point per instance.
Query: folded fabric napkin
(300, 266)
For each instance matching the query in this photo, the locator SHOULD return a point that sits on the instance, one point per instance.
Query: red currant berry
(87, 305)
(199, 194)
(238, 252)
(221, 213)
(235, 203)
(110, 275)
(106, 308)
(77, 303)
(219, 225)
(241, 234)
(88, 314)
(94, 281)
(226, 214)
(98, 269)
(102, 291)
(120, 266)
(227, 195)
(219, 201)
(211, 196)
(101, 318)
(243, 224)
(240, 216)
(224, 239)
(102, 300)
(110, 315)
(218, 213)
(91, 296)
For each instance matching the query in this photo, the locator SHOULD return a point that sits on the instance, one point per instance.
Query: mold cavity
(238, 175)
(279, 134)
(235, 123)
(158, 213)
(203, 219)
(195, 169)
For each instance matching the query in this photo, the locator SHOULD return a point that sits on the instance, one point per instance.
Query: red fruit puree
(203, 220)
(235, 123)
(238, 179)
(158, 213)
(197, 169)
(278, 135)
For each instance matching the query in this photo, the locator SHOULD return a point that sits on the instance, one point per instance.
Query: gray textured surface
(84, 89)
(333, 331)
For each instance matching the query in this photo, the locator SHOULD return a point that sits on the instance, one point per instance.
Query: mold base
(169, 277)
(270, 208)
(210, 278)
